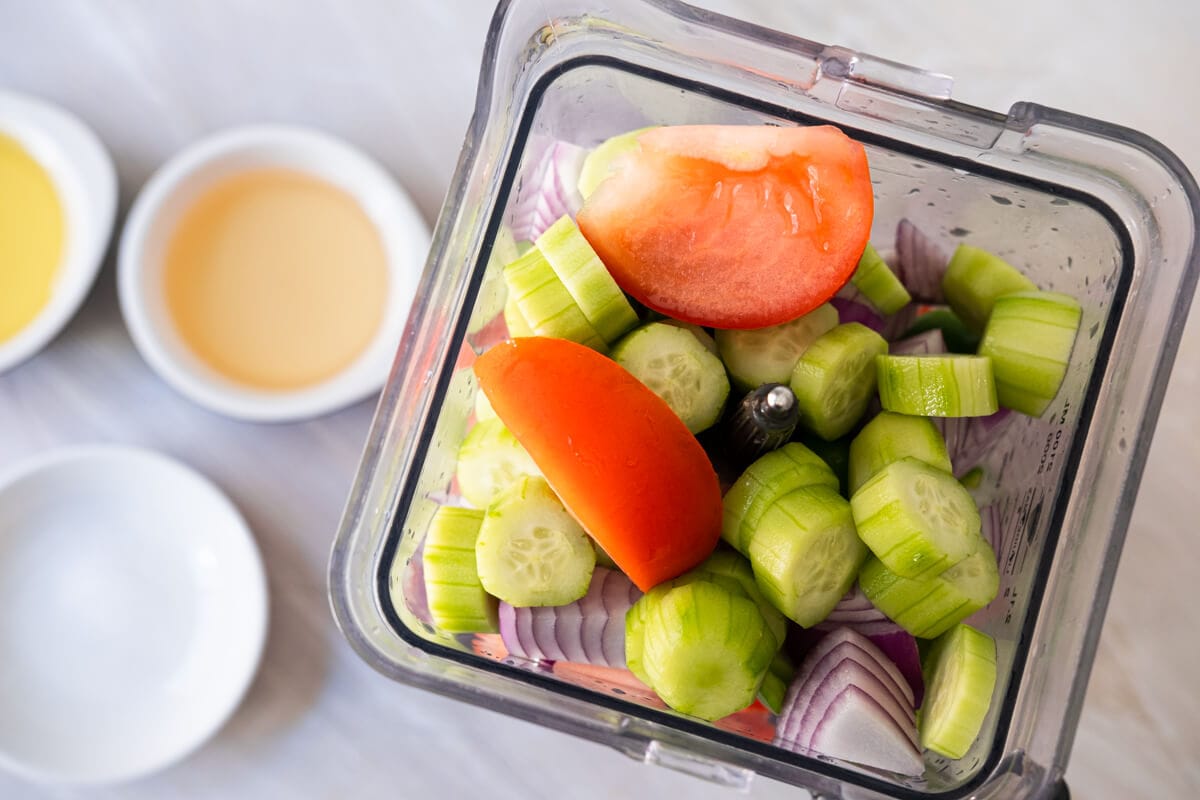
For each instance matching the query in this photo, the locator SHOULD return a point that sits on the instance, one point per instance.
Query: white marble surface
(397, 79)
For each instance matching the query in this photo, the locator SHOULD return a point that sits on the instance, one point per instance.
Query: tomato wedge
(617, 456)
(733, 226)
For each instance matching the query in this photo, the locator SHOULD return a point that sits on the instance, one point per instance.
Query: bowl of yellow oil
(266, 272)
(58, 199)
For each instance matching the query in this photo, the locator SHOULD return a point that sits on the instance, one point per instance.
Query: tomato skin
(619, 458)
(733, 226)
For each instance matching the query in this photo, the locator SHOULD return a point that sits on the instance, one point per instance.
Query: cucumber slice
(957, 336)
(960, 678)
(724, 566)
(768, 355)
(937, 386)
(974, 279)
(530, 551)
(805, 553)
(515, 320)
(705, 649)
(929, 608)
(599, 162)
(702, 336)
(835, 379)
(773, 475)
(917, 519)
(457, 601)
(674, 364)
(890, 437)
(587, 279)
(875, 279)
(775, 683)
(635, 624)
(1029, 338)
(545, 303)
(489, 460)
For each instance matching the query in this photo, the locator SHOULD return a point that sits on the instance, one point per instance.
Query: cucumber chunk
(724, 566)
(974, 279)
(599, 163)
(514, 320)
(768, 355)
(805, 553)
(937, 386)
(929, 608)
(890, 437)
(875, 279)
(773, 475)
(1029, 338)
(960, 678)
(545, 304)
(483, 408)
(493, 294)
(457, 600)
(702, 336)
(835, 379)
(705, 649)
(775, 683)
(489, 460)
(587, 279)
(917, 519)
(673, 363)
(530, 551)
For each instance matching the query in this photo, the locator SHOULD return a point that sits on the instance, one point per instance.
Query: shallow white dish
(172, 190)
(133, 612)
(86, 183)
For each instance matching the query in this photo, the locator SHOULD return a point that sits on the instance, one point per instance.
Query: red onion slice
(546, 186)
(926, 343)
(855, 311)
(920, 263)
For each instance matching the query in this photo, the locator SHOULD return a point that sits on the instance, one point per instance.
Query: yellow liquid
(32, 232)
(276, 279)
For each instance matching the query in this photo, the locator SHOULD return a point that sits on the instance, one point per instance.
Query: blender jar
(1084, 207)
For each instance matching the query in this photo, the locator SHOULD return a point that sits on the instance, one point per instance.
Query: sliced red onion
(848, 701)
(920, 263)
(589, 631)
(855, 311)
(898, 324)
(413, 586)
(856, 728)
(901, 649)
(854, 608)
(926, 343)
(547, 186)
(969, 439)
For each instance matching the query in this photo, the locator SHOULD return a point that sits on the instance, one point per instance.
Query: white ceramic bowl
(86, 183)
(172, 190)
(133, 613)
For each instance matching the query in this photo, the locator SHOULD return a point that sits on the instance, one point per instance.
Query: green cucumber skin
(974, 279)
(695, 387)
(890, 437)
(771, 476)
(929, 608)
(587, 280)
(908, 543)
(457, 600)
(599, 162)
(875, 279)
(806, 554)
(545, 303)
(733, 571)
(937, 386)
(705, 649)
(489, 459)
(960, 679)
(835, 378)
(1030, 337)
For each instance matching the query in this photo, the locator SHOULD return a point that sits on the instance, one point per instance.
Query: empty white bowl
(172, 191)
(133, 612)
(86, 183)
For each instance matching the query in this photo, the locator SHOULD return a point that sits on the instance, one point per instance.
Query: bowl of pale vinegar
(266, 272)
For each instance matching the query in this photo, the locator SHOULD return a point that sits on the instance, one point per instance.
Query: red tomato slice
(619, 458)
(733, 226)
